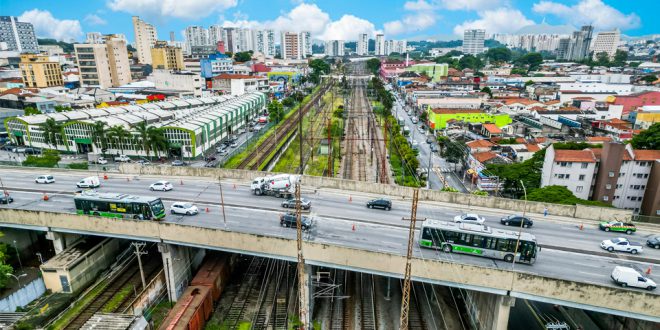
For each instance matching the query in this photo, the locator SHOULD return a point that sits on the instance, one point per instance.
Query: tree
(470, 61)
(100, 136)
(531, 60)
(28, 111)
(620, 57)
(319, 67)
(510, 175)
(603, 59)
(529, 82)
(649, 79)
(455, 152)
(143, 134)
(51, 130)
(488, 91)
(157, 139)
(243, 56)
(442, 141)
(61, 108)
(119, 134)
(373, 65)
(519, 71)
(275, 111)
(288, 102)
(500, 54)
(4, 267)
(559, 195)
(648, 138)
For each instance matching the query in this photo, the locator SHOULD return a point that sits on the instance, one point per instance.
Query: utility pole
(300, 132)
(222, 203)
(138, 247)
(405, 297)
(302, 287)
(330, 151)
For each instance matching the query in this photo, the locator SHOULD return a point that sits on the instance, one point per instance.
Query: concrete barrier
(516, 205)
(437, 271)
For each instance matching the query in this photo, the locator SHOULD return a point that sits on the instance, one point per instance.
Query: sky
(333, 19)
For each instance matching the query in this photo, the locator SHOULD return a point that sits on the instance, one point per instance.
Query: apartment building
(473, 41)
(395, 46)
(576, 47)
(104, 65)
(196, 36)
(296, 46)
(380, 45)
(264, 42)
(362, 44)
(40, 71)
(19, 36)
(617, 174)
(166, 57)
(145, 38)
(606, 42)
(334, 48)
(238, 84)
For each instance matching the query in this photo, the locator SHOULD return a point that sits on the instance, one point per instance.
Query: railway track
(368, 311)
(258, 156)
(251, 278)
(415, 318)
(337, 304)
(266, 302)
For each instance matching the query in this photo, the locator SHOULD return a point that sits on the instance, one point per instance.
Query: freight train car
(214, 273)
(191, 311)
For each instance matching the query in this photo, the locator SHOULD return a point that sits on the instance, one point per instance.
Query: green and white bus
(478, 240)
(122, 206)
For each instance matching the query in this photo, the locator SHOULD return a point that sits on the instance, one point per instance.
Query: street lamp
(18, 278)
(18, 255)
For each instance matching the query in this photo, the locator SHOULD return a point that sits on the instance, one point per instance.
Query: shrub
(78, 166)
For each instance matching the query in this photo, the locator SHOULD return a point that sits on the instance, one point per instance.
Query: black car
(289, 220)
(514, 220)
(32, 151)
(380, 203)
(654, 242)
(6, 199)
(305, 204)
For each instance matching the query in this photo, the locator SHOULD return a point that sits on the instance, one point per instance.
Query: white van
(626, 276)
(89, 182)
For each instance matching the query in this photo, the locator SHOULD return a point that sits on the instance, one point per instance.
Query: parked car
(183, 208)
(143, 162)
(626, 227)
(6, 198)
(122, 158)
(221, 149)
(469, 218)
(210, 159)
(32, 151)
(380, 203)
(8, 147)
(621, 244)
(305, 203)
(289, 220)
(626, 276)
(234, 144)
(178, 162)
(654, 242)
(223, 152)
(89, 182)
(161, 185)
(44, 179)
(514, 220)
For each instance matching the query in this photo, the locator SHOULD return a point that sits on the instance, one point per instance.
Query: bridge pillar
(176, 262)
(489, 311)
(61, 240)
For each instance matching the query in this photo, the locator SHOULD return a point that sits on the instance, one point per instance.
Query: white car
(183, 208)
(626, 276)
(44, 179)
(621, 244)
(161, 185)
(469, 218)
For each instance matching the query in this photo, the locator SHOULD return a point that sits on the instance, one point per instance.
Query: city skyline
(339, 20)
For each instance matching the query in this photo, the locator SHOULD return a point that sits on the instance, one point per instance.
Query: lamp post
(18, 255)
(18, 278)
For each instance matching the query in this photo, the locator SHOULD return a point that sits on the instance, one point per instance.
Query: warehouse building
(190, 126)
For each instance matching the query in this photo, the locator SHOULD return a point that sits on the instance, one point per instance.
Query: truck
(122, 158)
(96, 159)
(621, 244)
(281, 185)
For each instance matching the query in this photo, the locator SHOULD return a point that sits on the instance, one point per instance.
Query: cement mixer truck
(281, 185)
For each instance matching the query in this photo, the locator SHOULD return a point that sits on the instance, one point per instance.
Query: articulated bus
(122, 206)
(478, 240)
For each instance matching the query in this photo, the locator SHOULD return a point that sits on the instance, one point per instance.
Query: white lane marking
(593, 274)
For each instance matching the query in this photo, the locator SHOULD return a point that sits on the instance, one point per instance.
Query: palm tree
(100, 136)
(119, 133)
(143, 135)
(51, 130)
(157, 140)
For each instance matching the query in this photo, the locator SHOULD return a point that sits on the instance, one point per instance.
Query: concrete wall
(577, 211)
(24, 296)
(437, 271)
(488, 311)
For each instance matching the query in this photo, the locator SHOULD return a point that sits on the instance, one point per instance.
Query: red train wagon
(213, 273)
(191, 311)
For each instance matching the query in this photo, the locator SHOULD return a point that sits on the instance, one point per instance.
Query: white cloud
(188, 9)
(422, 16)
(417, 5)
(347, 28)
(45, 25)
(93, 19)
(469, 4)
(501, 20)
(594, 12)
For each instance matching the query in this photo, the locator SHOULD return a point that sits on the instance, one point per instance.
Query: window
(581, 177)
(568, 176)
(616, 197)
(646, 175)
(578, 188)
(563, 164)
(608, 186)
(585, 165)
(611, 174)
(606, 198)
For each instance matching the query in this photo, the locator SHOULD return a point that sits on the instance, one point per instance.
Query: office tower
(172, 38)
(105, 64)
(215, 34)
(166, 57)
(305, 43)
(334, 48)
(606, 42)
(473, 41)
(19, 36)
(40, 72)
(145, 38)
(576, 48)
(362, 44)
(264, 42)
(380, 44)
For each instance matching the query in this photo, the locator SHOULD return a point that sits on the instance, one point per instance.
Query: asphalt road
(577, 257)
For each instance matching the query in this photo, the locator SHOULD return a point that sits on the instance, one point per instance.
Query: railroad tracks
(258, 156)
(251, 278)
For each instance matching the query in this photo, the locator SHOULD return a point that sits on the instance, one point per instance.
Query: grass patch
(159, 312)
(78, 306)
(78, 166)
(118, 298)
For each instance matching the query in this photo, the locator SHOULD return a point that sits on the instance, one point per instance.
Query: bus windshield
(157, 208)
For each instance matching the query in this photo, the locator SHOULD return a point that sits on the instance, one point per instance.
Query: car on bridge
(289, 220)
(380, 203)
(470, 218)
(5, 198)
(305, 203)
(161, 185)
(625, 227)
(184, 208)
(654, 242)
(626, 276)
(621, 244)
(45, 179)
(515, 220)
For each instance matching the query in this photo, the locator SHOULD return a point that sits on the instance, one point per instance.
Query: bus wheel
(446, 248)
(508, 258)
(136, 217)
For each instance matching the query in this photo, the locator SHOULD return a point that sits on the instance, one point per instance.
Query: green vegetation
(510, 175)
(78, 166)
(373, 65)
(59, 108)
(5, 268)
(500, 54)
(480, 193)
(67, 47)
(158, 313)
(649, 78)
(530, 61)
(560, 195)
(49, 158)
(648, 138)
(44, 309)
(275, 111)
(319, 67)
(78, 306)
(29, 111)
(117, 299)
(449, 189)
(486, 90)
(243, 56)
(507, 141)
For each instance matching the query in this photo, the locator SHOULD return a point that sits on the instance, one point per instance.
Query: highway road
(568, 252)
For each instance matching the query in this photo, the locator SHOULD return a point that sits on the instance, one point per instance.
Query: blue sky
(333, 19)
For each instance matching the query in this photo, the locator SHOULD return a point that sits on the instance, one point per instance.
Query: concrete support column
(61, 240)
(502, 310)
(489, 311)
(176, 262)
(309, 271)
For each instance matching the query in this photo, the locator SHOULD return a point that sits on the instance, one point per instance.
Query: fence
(24, 296)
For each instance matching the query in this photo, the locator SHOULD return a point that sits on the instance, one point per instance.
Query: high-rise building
(104, 65)
(576, 48)
(305, 43)
(145, 38)
(362, 44)
(473, 41)
(40, 72)
(395, 46)
(196, 36)
(229, 36)
(530, 42)
(19, 36)
(290, 45)
(215, 34)
(172, 37)
(606, 42)
(94, 38)
(243, 41)
(264, 42)
(334, 48)
(167, 57)
(380, 44)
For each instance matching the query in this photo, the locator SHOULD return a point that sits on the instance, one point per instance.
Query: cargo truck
(282, 185)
